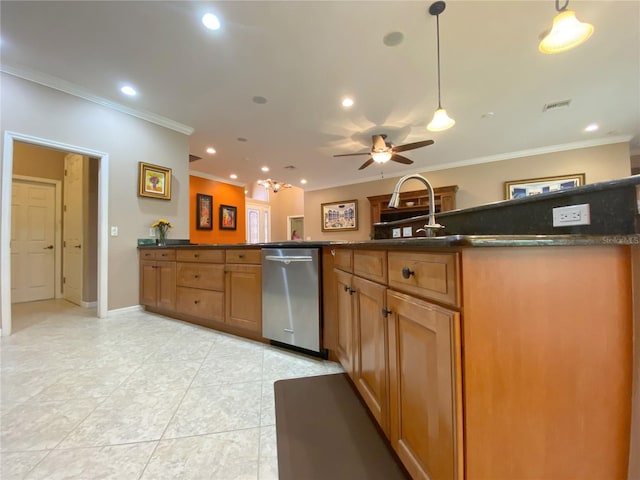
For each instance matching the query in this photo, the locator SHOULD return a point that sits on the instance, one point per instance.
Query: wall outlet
(395, 233)
(572, 215)
(407, 231)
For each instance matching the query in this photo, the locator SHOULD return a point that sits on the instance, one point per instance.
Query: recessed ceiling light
(347, 102)
(128, 90)
(303, 181)
(210, 21)
(233, 175)
(592, 128)
(265, 169)
(211, 150)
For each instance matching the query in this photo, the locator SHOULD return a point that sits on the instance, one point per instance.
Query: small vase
(162, 238)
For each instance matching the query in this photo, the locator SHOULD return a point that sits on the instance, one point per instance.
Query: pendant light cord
(438, 49)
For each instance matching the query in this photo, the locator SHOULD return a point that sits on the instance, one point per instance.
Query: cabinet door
(166, 278)
(344, 337)
(370, 352)
(424, 353)
(243, 297)
(148, 282)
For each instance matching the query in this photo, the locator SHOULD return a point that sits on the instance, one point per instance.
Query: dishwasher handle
(288, 259)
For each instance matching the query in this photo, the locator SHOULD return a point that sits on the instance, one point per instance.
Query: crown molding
(77, 91)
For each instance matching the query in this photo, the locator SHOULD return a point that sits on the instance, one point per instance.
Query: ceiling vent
(290, 167)
(193, 158)
(555, 105)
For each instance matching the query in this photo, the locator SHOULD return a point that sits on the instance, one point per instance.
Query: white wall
(32, 109)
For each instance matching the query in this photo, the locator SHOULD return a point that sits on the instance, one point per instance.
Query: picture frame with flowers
(154, 181)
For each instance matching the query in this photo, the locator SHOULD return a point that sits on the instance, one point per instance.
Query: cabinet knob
(196, 276)
(407, 272)
(386, 312)
(196, 301)
(196, 255)
(241, 256)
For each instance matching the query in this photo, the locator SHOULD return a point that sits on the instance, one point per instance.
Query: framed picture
(536, 186)
(204, 211)
(339, 216)
(228, 217)
(154, 181)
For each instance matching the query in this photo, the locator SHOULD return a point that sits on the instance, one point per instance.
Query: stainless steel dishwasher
(291, 297)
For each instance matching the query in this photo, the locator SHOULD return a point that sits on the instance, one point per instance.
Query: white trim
(120, 311)
(58, 226)
(596, 142)
(208, 176)
(77, 91)
(84, 304)
(5, 220)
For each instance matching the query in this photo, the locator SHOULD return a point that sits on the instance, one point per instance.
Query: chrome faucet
(395, 201)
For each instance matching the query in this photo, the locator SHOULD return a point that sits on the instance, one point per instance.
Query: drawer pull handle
(240, 256)
(196, 301)
(407, 272)
(196, 255)
(386, 312)
(196, 276)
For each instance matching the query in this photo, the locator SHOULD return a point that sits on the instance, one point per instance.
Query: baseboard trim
(120, 311)
(88, 304)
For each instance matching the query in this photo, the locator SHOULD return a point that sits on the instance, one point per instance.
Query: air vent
(290, 167)
(554, 105)
(193, 158)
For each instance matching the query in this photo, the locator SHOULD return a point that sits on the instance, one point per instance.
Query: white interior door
(258, 222)
(72, 229)
(32, 241)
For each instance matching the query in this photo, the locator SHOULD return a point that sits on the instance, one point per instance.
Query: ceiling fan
(382, 151)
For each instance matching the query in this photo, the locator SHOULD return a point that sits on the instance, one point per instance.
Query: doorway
(258, 216)
(102, 160)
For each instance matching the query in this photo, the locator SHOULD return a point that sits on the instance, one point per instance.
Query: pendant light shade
(441, 121)
(566, 32)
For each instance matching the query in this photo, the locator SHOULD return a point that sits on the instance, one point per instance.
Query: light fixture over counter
(441, 121)
(274, 185)
(566, 32)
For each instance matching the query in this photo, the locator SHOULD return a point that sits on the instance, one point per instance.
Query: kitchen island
(480, 357)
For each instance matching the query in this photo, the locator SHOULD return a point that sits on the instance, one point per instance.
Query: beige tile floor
(137, 396)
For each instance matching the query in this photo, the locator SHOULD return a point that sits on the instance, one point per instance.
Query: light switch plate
(114, 231)
(395, 233)
(407, 231)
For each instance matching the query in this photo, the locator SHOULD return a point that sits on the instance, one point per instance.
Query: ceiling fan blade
(400, 159)
(352, 154)
(378, 142)
(411, 146)
(366, 164)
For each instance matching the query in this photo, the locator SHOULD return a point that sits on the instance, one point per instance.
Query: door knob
(50, 247)
(78, 246)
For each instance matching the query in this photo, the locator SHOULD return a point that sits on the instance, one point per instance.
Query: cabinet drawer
(244, 256)
(157, 254)
(200, 303)
(207, 276)
(343, 259)
(430, 275)
(207, 256)
(371, 264)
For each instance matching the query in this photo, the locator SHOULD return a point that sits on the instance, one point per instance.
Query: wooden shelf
(445, 199)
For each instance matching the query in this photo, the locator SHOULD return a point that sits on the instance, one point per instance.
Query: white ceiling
(303, 57)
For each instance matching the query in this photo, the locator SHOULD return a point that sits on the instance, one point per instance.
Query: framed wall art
(339, 216)
(204, 211)
(154, 181)
(536, 186)
(228, 217)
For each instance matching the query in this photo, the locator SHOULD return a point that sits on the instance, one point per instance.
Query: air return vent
(193, 158)
(556, 105)
(290, 167)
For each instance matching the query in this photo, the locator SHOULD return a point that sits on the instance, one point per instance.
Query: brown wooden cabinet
(413, 203)
(424, 352)
(243, 290)
(158, 280)
(344, 318)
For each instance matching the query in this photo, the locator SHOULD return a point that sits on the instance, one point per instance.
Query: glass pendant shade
(566, 33)
(441, 121)
(381, 157)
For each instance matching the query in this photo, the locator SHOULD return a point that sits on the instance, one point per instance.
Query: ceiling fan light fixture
(441, 121)
(566, 32)
(381, 157)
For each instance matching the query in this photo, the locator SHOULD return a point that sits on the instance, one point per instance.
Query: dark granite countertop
(444, 241)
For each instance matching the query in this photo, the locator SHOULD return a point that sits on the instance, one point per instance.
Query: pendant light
(441, 121)
(273, 185)
(566, 32)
